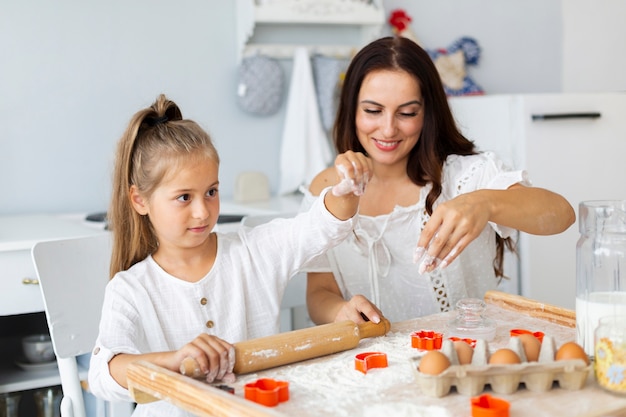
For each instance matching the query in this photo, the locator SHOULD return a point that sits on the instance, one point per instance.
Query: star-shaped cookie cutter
(426, 340)
(488, 406)
(267, 391)
(365, 361)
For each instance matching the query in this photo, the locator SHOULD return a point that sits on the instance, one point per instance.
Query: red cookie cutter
(488, 406)
(426, 340)
(368, 360)
(471, 342)
(267, 391)
(517, 332)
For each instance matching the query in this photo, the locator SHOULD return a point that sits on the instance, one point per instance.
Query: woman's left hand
(453, 225)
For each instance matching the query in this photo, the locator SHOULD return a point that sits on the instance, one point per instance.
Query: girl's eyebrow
(408, 103)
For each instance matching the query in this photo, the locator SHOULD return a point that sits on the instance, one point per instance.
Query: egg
(433, 363)
(463, 351)
(504, 356)
(531, 346)
(569, 351)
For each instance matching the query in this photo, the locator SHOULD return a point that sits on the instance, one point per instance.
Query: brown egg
(504, 356)
(433, 363)
(464, 351)
(531, 346)
(571, 350)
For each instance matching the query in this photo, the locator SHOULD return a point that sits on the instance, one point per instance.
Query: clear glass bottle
(600, 258)
(610, 354)
(470, 322)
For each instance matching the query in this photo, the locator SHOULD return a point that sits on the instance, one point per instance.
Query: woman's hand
(358, 309)
(354, 170)
(214, 357)
(453, 225)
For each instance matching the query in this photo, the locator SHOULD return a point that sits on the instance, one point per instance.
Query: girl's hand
(354, 171)
(453, 225)
(214, 357)
(359, 309)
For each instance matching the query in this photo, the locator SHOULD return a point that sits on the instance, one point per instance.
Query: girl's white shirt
(148, 310)
(377, 259)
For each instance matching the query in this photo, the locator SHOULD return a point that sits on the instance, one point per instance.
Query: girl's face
(184, 207)
(389, 116)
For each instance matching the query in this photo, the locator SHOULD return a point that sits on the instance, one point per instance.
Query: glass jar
(600, 258)
(48, 401)
(610, 354)
(9, 404)
(470, 322)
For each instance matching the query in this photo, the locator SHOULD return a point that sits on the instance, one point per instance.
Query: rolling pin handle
(190, 367)
(371, 329)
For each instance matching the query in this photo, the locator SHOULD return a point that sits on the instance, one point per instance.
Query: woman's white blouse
(148, 310)
(377, 259)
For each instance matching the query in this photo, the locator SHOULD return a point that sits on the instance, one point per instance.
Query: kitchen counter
(331, 386)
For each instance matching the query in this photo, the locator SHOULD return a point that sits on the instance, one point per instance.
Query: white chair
(72, 276)
(293, 311)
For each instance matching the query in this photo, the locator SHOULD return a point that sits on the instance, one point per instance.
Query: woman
(430, 189)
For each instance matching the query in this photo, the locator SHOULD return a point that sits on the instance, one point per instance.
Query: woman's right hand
(214, 357)
(354, 170)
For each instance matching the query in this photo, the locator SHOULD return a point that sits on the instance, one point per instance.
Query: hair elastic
(153, 121)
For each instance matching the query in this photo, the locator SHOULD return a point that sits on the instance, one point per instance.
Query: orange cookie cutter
(368, 360)
(517, 332)
(488, 406)
(471, 342)
(267, 391)
(426, 340)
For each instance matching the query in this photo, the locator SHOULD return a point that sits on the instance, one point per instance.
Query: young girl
(180, 290)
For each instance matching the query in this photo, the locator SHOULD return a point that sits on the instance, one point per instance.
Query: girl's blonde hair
(156, 141)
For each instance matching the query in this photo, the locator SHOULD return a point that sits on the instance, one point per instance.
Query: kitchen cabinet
(20, 296)
(262, 27)
(572, 144)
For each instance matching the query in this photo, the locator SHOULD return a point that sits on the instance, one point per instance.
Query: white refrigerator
(573, 144)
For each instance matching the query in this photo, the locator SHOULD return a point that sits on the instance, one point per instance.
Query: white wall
(593, 46)
(73, 72)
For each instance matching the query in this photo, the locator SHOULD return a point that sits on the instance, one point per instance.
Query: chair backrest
(73, 274)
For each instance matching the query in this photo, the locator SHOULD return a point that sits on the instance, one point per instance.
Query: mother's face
(389, 115)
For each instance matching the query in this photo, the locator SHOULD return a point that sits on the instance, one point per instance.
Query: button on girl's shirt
(210, 324)
(203, 301)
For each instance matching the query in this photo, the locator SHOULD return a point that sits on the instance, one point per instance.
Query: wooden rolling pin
(533, 308)
(295, 346)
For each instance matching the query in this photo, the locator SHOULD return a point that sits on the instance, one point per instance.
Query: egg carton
(472, 378)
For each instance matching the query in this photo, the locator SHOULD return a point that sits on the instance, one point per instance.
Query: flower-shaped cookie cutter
(488, 406)
(517, 332)
(267, 391)
(368, 360)
(471, 342)
(426, 340)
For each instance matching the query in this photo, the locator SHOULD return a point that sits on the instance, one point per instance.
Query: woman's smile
(386, 145)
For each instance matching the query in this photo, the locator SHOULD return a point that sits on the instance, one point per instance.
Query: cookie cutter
(267, 391)
(517, 332)
(426, 340)
(368, 360)
(471, 342)
(488, 406)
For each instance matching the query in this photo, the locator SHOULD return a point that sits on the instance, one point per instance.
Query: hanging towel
(305, 149)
